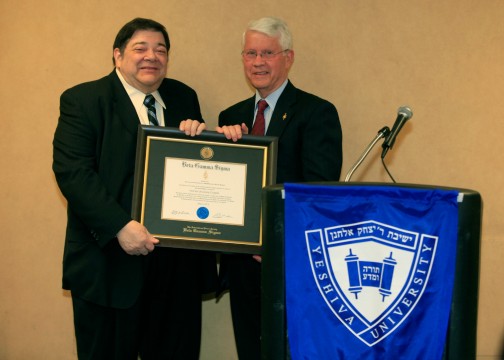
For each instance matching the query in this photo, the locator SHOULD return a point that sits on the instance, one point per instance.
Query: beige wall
(443, 58)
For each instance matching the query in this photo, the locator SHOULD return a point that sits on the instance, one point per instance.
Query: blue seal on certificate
(202, 212)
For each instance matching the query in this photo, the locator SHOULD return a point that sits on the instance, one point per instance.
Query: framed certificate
(202, 192)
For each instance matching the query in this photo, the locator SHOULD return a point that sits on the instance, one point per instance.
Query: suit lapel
(246, 112)
(283, 112)
(174, 105)
(168, 98)
(180, 104)
(123, 109)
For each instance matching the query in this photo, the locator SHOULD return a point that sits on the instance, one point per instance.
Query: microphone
(404, 113)
(381, 134)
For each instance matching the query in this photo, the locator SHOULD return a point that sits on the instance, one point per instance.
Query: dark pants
(105, 333)
(244, 281)
(164, 325)
(171, 320)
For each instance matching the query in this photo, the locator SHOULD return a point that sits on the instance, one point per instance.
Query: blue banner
(369, 271)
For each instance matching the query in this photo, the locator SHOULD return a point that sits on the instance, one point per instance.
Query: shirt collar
(137, 95)
(272, 98)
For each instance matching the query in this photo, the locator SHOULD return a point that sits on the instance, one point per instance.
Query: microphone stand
(384, 132)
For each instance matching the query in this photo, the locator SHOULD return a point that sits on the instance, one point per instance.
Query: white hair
(272, 27)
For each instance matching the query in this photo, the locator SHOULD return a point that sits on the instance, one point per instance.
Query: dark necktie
(150, 104)
(259, 123)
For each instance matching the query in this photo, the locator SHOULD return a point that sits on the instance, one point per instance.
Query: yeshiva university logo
(371, 275)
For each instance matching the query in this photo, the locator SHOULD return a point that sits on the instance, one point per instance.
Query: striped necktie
(150, 104)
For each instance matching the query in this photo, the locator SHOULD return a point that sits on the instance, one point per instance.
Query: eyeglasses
(265, 55)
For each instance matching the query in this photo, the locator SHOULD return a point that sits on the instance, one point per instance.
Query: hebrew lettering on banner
(359, 262)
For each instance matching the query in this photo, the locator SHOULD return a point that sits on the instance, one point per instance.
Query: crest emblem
(206, 153)
(370, 274)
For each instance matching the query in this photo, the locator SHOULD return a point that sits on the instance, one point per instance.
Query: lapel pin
(284, 116)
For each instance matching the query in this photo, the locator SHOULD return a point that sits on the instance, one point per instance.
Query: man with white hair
(309, 149)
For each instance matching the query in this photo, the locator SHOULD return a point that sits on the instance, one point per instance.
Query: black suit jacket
(309, 149)
(308, 130)
(93, 161)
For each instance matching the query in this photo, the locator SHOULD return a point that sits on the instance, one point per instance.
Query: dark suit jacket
(309, 142)
(94, 161)
(308, 131)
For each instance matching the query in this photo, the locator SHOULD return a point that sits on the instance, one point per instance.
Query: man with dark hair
(309, 149)
(126, 293)
(128, 30)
